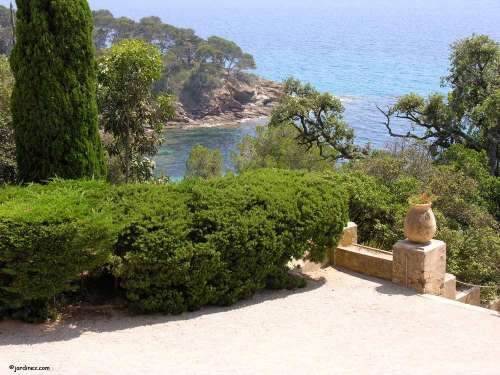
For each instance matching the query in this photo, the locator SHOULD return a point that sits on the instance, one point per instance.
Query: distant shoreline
(231, 105)
(215, 122)
(259, 108)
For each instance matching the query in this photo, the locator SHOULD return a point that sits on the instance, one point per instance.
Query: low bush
(204, 163)
(277, 147)
(233, 237)
(466, 206)
(49, 237)
(474, 165)
(172, 247)
(373, 207)
(473, 256)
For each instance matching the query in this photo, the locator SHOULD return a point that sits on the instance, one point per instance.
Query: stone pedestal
(350, 235)
(450, 287)
(420, 266)
(349, 238)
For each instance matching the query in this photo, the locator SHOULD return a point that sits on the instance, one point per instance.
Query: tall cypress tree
(54, 104)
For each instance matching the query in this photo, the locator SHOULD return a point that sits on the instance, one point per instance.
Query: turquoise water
(368, 51)
(172, 157)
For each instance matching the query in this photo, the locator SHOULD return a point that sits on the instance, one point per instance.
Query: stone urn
(420, 223)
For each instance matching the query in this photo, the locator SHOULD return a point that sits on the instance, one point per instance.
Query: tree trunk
(493, 149)
(127, 158)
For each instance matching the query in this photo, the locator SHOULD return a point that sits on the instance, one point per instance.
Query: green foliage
(465, 205)
(459, 198)
(469, 115)
(199, 86)
(172, 247)
(50, 236)
(54, 98)
(225, 54)
(319, 120)
(474, 256)
(374, 208)
(7, 142)
(401, 159)
(474, 165)
(277, 147)
(474, 75)
(193, 67)
(130, 114)
(204, 163)
(231, 238)
(109, 30)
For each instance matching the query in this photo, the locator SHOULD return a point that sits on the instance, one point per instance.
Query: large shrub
(373, 207)
(277, 147)
(54, 104)
(173, 247)
(474, 164)
(49, 237)
(131, 116)
(233, 237)
(204, 163)
(473, 256)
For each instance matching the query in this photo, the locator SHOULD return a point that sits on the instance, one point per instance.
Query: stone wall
(416, 266)
(365, 260)
(471, 296)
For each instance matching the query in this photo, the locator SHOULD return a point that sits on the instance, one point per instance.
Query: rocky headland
(234, 102)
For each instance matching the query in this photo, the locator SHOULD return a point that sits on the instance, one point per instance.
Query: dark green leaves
(319, 119)
(54, 105)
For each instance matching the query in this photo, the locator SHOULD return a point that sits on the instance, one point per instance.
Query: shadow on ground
(384, 287)
(109, 320)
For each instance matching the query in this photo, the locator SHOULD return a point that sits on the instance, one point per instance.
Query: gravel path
(340, 324)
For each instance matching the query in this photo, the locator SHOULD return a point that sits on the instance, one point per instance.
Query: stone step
(450, 286)
(471, 296)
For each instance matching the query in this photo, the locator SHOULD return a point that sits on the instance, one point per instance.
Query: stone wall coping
(368, 251)
(430, 246)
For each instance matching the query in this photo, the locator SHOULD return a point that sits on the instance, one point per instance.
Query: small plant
(424, 198)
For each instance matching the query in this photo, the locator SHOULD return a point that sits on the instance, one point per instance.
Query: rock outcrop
(233, 102)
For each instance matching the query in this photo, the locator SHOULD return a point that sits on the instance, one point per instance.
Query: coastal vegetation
(380, 187)
(211, 239)
(318, 117)
(132, 118)
(195, 71)
(455, 158)
(469, 115)
(193, 68)
(277, 147)
(204, 163)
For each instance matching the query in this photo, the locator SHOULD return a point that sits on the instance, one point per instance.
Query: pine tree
(54, 104)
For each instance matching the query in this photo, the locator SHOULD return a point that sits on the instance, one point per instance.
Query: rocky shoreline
(233, 104)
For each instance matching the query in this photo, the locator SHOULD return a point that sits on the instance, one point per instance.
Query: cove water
(367, 51)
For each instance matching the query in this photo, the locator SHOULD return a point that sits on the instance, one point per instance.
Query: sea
(368, 52)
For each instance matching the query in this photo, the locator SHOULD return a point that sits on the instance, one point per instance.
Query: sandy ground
(340, 324)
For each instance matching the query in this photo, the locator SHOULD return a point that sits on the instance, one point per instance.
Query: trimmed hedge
(234, 237)
(48, 237)
(172, 247)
